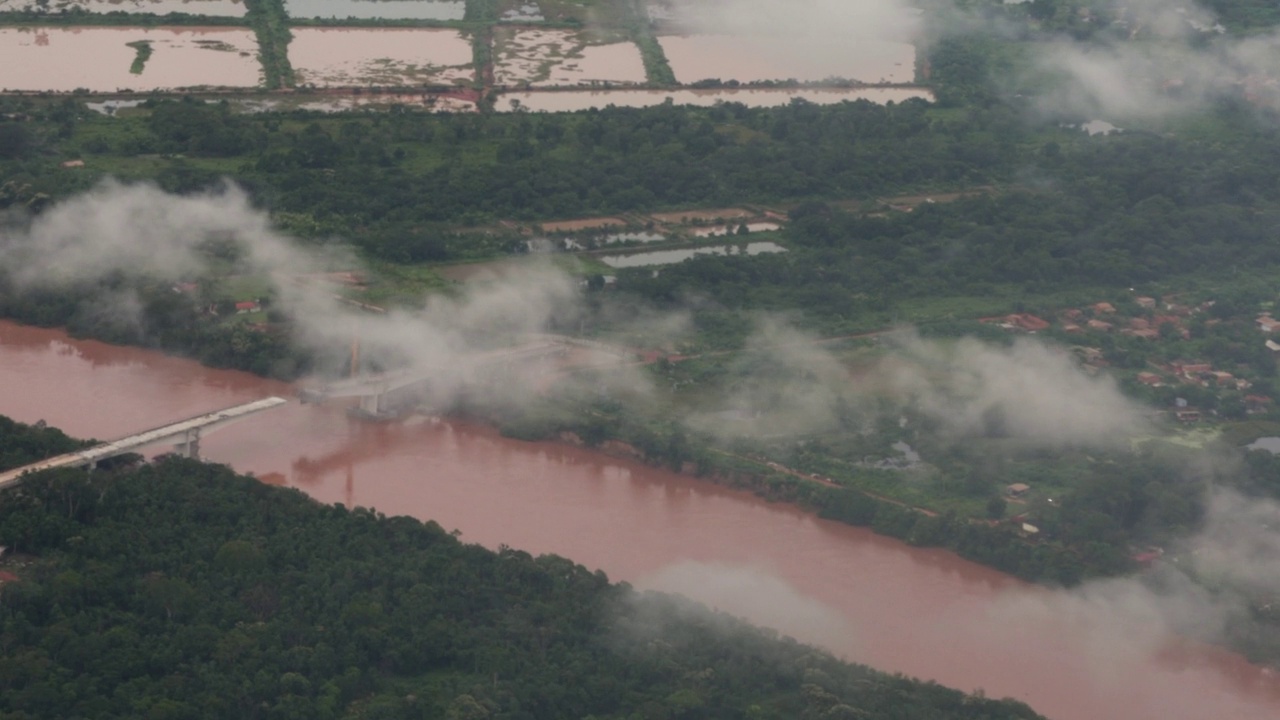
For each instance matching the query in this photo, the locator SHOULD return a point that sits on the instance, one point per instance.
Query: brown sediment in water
(757, 58)
(396, 57)
(62, 59)
(212, 8)
(543, 57)
(922, 612)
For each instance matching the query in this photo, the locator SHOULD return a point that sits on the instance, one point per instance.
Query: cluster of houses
(1156, 318)
(1103, 317)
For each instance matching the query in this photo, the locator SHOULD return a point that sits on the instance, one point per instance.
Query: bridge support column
(371, 405)
(190, 445)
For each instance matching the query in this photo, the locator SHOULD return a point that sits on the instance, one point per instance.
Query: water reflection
(211, 8)
(377, 9)
(394, 57)
(668, 257)
(781, 57)
(718, 230)
(62, 59)
(922, 612)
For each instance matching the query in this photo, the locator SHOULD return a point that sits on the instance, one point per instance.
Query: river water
(922, 612)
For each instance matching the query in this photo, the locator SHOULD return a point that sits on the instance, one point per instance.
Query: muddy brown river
(926, 613)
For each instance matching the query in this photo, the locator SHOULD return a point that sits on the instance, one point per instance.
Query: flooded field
(377, 9)
(396, 57)
(770, 97)
(212, 8)
(561, 57)
(632, 237)
(670, 257)
(366, 101)
(98, 59)
(718, 230)
(758, 58)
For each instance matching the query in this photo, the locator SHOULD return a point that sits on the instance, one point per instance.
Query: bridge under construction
(378, 392)
(186, 433)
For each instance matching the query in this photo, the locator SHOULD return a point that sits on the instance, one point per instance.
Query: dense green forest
(181, 590)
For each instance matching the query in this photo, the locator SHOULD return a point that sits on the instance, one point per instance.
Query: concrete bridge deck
(188, 432)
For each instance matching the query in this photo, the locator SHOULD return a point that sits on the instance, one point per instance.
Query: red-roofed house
(8, 577)
(1028, 322)
(1191, 369)
(1145, 302)
(1146, 334)
(247, 306)
(1103, 307)
(1268, 324)
(1099, 325)
(1149, 378)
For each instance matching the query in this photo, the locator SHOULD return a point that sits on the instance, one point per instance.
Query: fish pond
(211, 8)
(377, 9)
(669, 257)
(539, 57)
(110, 59)
(389, 57)
(762, 58)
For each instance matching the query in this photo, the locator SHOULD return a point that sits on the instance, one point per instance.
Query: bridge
(375, 391)
(186, 433)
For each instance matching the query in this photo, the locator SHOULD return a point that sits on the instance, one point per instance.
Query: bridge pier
(190, 445)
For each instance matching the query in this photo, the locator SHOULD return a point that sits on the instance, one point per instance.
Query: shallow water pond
(545, 58)
(212, 8)
(718, 230)
(62, 59)
(377, 9)
(394, 57)
(757, 58)
(669, 257)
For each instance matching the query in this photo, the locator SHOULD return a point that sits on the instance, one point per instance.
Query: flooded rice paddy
(62, 59)
(377, 9)
(524, 56)
(211, 8)
(396, 57)
(632, 237)
(670, 257)
(718, 230)
(760, 58)
(572, 101)
(367, 101)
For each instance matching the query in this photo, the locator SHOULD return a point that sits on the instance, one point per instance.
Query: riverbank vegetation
(244, 599)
